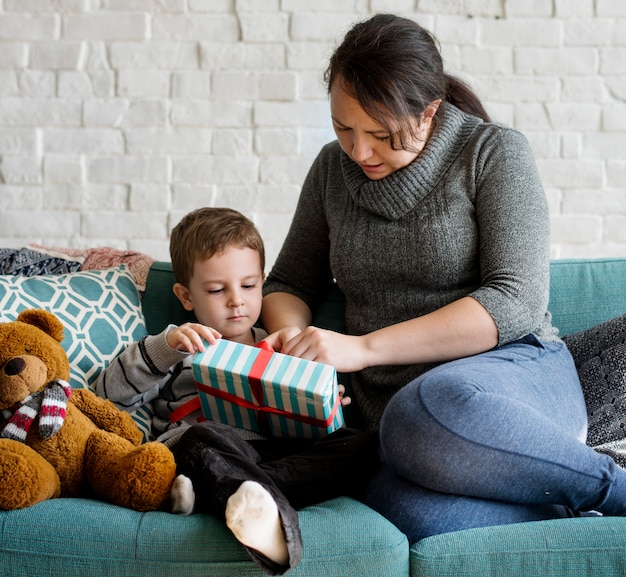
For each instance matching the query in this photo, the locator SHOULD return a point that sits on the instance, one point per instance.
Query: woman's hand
(286, 338)
(346, 353)
(278, 339)
(189, 336)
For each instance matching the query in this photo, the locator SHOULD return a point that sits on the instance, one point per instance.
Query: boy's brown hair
(207, 231)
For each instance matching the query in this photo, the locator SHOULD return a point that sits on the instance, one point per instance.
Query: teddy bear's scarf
(49, 405)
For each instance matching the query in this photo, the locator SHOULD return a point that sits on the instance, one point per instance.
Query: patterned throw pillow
(100, 311)
(600, 357)
(28, 262)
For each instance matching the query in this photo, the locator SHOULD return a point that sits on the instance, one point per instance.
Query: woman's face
(367, 142)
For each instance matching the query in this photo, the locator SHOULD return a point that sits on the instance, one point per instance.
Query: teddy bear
(56, 441)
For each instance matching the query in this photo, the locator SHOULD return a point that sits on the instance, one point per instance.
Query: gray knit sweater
(467, 217)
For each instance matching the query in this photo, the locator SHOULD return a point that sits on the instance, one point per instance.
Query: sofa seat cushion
(75, 538)
(590, 546)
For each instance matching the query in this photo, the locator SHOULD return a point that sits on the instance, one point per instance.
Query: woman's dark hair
(393, 67)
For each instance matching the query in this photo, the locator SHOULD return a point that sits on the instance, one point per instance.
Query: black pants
(296, 472)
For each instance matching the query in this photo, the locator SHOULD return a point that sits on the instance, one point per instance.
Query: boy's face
(225, 292)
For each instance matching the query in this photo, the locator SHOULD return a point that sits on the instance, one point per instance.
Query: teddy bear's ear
(44, 320)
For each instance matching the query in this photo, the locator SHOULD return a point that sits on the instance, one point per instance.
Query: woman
(434, 223)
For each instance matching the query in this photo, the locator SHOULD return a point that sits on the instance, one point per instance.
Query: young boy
(218, 260)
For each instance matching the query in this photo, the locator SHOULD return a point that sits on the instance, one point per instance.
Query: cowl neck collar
(395, 195)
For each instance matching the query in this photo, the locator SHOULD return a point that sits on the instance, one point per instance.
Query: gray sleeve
(138, 374)
(514, 235)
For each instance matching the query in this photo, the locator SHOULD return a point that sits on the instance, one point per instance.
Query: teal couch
(342, 537)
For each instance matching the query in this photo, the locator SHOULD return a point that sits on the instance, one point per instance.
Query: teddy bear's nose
(15, 366)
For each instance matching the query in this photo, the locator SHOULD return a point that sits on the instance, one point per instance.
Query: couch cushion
(591, 546)
(160, 306)
(77, 538)
(586, 292)
(583, 293)
(100, 311)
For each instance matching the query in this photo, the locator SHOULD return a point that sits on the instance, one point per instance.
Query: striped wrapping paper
(271, 393)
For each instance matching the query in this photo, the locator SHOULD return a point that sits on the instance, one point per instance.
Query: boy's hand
(189, 337)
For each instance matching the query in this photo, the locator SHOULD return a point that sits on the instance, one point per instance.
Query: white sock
(252, 516)
(182, 495)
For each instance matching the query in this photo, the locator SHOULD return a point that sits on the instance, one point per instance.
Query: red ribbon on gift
(255, 377)
(229, 397)
(186, 409)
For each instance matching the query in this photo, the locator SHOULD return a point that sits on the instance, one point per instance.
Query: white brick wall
(119, 116)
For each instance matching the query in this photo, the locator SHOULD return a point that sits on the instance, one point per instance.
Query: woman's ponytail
(463, 97)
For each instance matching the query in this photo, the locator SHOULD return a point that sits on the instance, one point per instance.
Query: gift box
(268, 392)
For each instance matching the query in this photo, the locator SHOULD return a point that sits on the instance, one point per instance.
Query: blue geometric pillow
(100, 311)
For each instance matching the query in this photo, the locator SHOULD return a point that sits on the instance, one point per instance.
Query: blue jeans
(492, 439)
